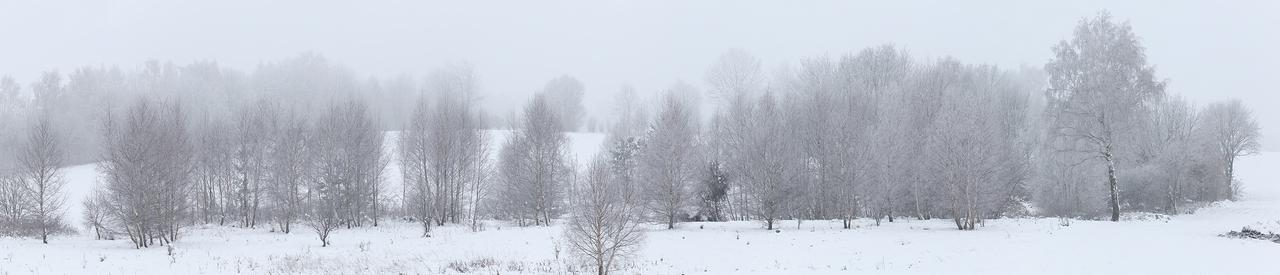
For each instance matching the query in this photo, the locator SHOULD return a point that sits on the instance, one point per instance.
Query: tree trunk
(1112, 182)
(671, 220)
(1231, 192)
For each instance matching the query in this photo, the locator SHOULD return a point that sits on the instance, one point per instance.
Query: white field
(1187, 244)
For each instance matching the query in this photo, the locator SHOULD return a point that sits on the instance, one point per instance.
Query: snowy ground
(1187, 244)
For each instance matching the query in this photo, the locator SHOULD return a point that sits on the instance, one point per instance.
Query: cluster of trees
(271, 166)
(202, 144)
(444, 153)
(880, 135)
(875, 134)
(1106, 111)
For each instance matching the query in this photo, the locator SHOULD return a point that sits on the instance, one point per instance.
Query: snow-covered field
(1187, 244)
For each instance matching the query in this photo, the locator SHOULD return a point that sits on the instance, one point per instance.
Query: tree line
(877, 134)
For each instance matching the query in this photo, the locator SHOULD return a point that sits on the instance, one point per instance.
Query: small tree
(1233, 133)
(13, 201)
(39, 161)
(603, 228)
(323, 216)
(97, 216)
(713, 192)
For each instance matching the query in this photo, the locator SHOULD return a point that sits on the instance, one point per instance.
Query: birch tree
(765, 160)
(603, 228)
(40, 160)
(534, 166)
(669, 159)
(255, 125)
(1099, 83)
(147, 170)
(291, 169)
(444, 150)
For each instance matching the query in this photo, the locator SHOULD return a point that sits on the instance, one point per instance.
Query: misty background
(1210, 51)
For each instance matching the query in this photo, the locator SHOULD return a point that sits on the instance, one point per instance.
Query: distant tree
(1099, 83)
(735, 75)
(1234, 133)
(564, 94)
(13, 108)
(10, 92)
(630, 115)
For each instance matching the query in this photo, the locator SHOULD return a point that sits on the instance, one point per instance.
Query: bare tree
(669, 159)
(13, 202)
(216, 196)
(147, 169)
(1175, 124)
(290, 169)
(764, 158)
(40, 159)
(97, 216)
(564, 94)
(13, 110)
(444, 150)
(734, 81)
(324, 209)
(254, 128)
(349, 162)
(631, 116)
(415, 165)
(1099, 82)
(1234, 133)
(534, 166)
(602, 228)
(735, 75)
(976, 149)
(456, 142)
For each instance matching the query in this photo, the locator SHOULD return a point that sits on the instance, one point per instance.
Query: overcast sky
(1209, 50)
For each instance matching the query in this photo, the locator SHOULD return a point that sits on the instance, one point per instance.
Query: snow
(1186, 244)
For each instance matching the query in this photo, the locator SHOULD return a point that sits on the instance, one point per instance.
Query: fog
(609, 137)
(1209, 51)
